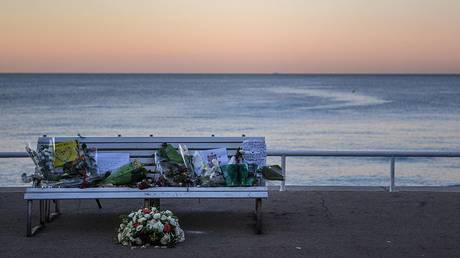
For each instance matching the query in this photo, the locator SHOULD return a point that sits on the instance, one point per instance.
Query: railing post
(283, 171)
(392, 174)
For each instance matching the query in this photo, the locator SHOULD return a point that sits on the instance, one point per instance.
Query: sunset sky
(237, 36)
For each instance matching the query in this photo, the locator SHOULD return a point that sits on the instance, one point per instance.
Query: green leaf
(273, 172)
(126, 174)
(169, 152)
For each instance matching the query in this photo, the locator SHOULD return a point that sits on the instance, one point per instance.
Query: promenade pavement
(297, 223)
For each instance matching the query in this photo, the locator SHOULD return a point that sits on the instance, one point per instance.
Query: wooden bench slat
(148, 153)
(144, 161)
(149, 167)
(143, 195)
(134, 193)
(44, 140)
(102, 195)
(104, 189)
(228, 189)
(153, 189)
(156, 146)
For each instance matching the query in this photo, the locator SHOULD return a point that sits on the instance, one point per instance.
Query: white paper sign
(220, 154)
(108, 161)
(254, 152)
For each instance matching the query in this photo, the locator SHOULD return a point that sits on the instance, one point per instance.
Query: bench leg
(149, 203)
(99, 205)
(258, 215)
(156, 203)
(52, 215)
(29, 218)
(47, 211)
(30, 231)
(42, 212)
(57, 207)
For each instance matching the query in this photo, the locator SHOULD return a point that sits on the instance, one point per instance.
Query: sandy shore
(296, 224)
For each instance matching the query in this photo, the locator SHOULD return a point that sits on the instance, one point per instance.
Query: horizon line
(224, 73)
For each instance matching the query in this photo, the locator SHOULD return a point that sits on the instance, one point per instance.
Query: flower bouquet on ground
(150, 227)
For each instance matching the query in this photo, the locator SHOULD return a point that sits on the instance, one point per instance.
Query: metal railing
(392, 155)
(13, 155)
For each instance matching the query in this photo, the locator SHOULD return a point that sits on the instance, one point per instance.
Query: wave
(341, 99)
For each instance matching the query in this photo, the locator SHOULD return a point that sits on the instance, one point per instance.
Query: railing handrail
(321, 153)
(13, 154)
(363, 153)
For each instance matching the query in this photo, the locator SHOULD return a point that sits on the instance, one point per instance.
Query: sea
(293, 112)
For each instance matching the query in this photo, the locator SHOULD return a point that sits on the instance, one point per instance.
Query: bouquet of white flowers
(150, 227)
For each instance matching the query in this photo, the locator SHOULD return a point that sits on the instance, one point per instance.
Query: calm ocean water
(295, 112)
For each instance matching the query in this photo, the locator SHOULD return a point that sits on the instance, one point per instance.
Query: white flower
(165, 239)
(151, 225)
(139, 228)
(156, 216)
(158, 226)
(172, 222)
(120, 237)
(131, 215)
(141, 220)
(163, 217)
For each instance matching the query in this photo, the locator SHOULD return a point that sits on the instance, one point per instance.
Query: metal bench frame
(141, 148)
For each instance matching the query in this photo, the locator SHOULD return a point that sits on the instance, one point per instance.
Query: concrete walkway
(296, 224)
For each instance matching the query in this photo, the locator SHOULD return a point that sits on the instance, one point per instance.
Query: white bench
(142, 149)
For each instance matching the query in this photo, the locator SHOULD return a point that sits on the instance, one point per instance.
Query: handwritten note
(109, 161)
(220, 154)
(254, 152)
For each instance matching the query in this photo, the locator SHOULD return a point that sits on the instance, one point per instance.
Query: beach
(300, 222)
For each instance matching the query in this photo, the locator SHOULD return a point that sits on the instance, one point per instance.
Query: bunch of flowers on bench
(72, 164)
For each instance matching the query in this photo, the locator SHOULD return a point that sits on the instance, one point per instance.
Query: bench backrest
(143, 148)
